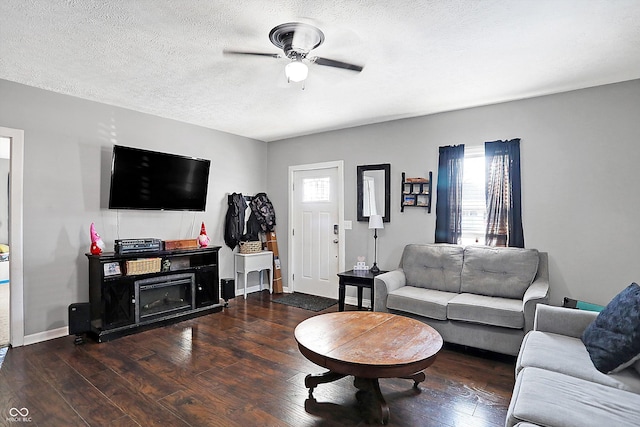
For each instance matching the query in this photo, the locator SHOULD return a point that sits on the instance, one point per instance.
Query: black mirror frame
(386, 167)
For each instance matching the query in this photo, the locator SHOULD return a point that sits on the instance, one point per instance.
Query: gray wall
(580, 153)
(68, 144)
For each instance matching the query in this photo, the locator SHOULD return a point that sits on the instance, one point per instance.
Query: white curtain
(369, 197)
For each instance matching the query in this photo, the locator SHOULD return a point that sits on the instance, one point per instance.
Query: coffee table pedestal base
(368, 390)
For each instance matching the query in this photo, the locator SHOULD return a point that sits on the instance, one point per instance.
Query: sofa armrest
(537, 293)
(564, 321)
(385, 283)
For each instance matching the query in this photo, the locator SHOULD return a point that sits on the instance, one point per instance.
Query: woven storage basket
(143, 266)
(250, 247)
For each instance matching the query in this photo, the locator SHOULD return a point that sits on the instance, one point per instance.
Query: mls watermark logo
(19, 415)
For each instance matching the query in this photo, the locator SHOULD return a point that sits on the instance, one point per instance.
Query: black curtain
(503, 194)
(449, 194)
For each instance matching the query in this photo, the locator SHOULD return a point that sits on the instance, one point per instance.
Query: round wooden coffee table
(369, 346)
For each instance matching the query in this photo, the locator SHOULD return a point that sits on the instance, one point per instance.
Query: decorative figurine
(97, 245)
(203, 239)
(360, 265)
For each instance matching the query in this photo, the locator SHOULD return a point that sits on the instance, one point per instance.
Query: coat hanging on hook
(262, 207)
(234, 221)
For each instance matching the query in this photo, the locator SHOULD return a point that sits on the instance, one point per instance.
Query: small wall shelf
(416, 192)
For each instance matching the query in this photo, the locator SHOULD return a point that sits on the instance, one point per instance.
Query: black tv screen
(142, 179)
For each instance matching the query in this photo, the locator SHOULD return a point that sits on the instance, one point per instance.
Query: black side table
(360, 278)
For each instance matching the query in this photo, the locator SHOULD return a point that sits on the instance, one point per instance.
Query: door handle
(335, 240)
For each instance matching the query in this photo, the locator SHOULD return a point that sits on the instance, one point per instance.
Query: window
(474, 211)
(467, 212)
(316, 189)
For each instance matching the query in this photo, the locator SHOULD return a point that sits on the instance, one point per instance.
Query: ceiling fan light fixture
(297, 40)
(296, 71)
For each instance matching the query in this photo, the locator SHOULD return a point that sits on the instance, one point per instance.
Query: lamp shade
(296, 71)
(375, 222)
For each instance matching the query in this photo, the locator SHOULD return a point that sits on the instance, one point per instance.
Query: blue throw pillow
(613, 338)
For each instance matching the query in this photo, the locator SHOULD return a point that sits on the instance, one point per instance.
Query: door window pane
(316, 189)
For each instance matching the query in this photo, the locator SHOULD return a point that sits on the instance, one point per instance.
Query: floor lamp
(375, 223)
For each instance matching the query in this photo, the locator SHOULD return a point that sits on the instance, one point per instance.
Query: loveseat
(477, 296)
(557, 384)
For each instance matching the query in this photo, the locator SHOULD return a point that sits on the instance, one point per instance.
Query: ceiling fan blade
(337, 64)
(238, 52)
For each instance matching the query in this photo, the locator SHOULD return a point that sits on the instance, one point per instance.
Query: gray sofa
(478, 296)
(557, 384)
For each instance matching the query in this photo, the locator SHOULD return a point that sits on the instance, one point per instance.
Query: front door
(316, 235)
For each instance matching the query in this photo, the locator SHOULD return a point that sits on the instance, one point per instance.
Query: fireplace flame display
(164, 295)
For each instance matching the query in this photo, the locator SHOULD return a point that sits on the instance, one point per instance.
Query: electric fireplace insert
(164, 295)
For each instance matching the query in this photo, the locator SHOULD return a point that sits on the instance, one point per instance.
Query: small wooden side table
(360, 278)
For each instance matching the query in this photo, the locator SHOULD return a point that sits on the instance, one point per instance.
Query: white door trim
(339, 164)
(16, 267)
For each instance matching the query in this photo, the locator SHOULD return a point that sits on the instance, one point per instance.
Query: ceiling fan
(297, 40)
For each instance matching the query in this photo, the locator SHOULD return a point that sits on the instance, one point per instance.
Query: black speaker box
(79, 318)
(228, 289)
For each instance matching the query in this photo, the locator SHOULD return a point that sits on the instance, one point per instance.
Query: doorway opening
(5, 156)
(11, 243)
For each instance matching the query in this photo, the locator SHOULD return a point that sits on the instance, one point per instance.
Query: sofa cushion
(486, 310)
(548, 398)
(424, 302)
(436, 266)
(613, 338)
(568, 355)
(498, 272)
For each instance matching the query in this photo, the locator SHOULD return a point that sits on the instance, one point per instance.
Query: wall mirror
(374, 191)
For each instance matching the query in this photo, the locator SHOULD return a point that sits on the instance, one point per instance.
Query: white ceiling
(421, 57)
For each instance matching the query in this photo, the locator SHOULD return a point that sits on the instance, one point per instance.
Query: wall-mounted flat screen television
(142, 179)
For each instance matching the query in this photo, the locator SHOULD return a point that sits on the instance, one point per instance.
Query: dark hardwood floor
(239, 367)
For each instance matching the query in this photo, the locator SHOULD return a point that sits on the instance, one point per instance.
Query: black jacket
(263, 210)
(234, 221)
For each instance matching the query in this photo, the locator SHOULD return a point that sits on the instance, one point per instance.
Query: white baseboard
(46, 335)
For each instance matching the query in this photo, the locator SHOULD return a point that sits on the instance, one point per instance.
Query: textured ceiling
(421, 57)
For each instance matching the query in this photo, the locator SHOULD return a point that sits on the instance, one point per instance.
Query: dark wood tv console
(123, 301)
